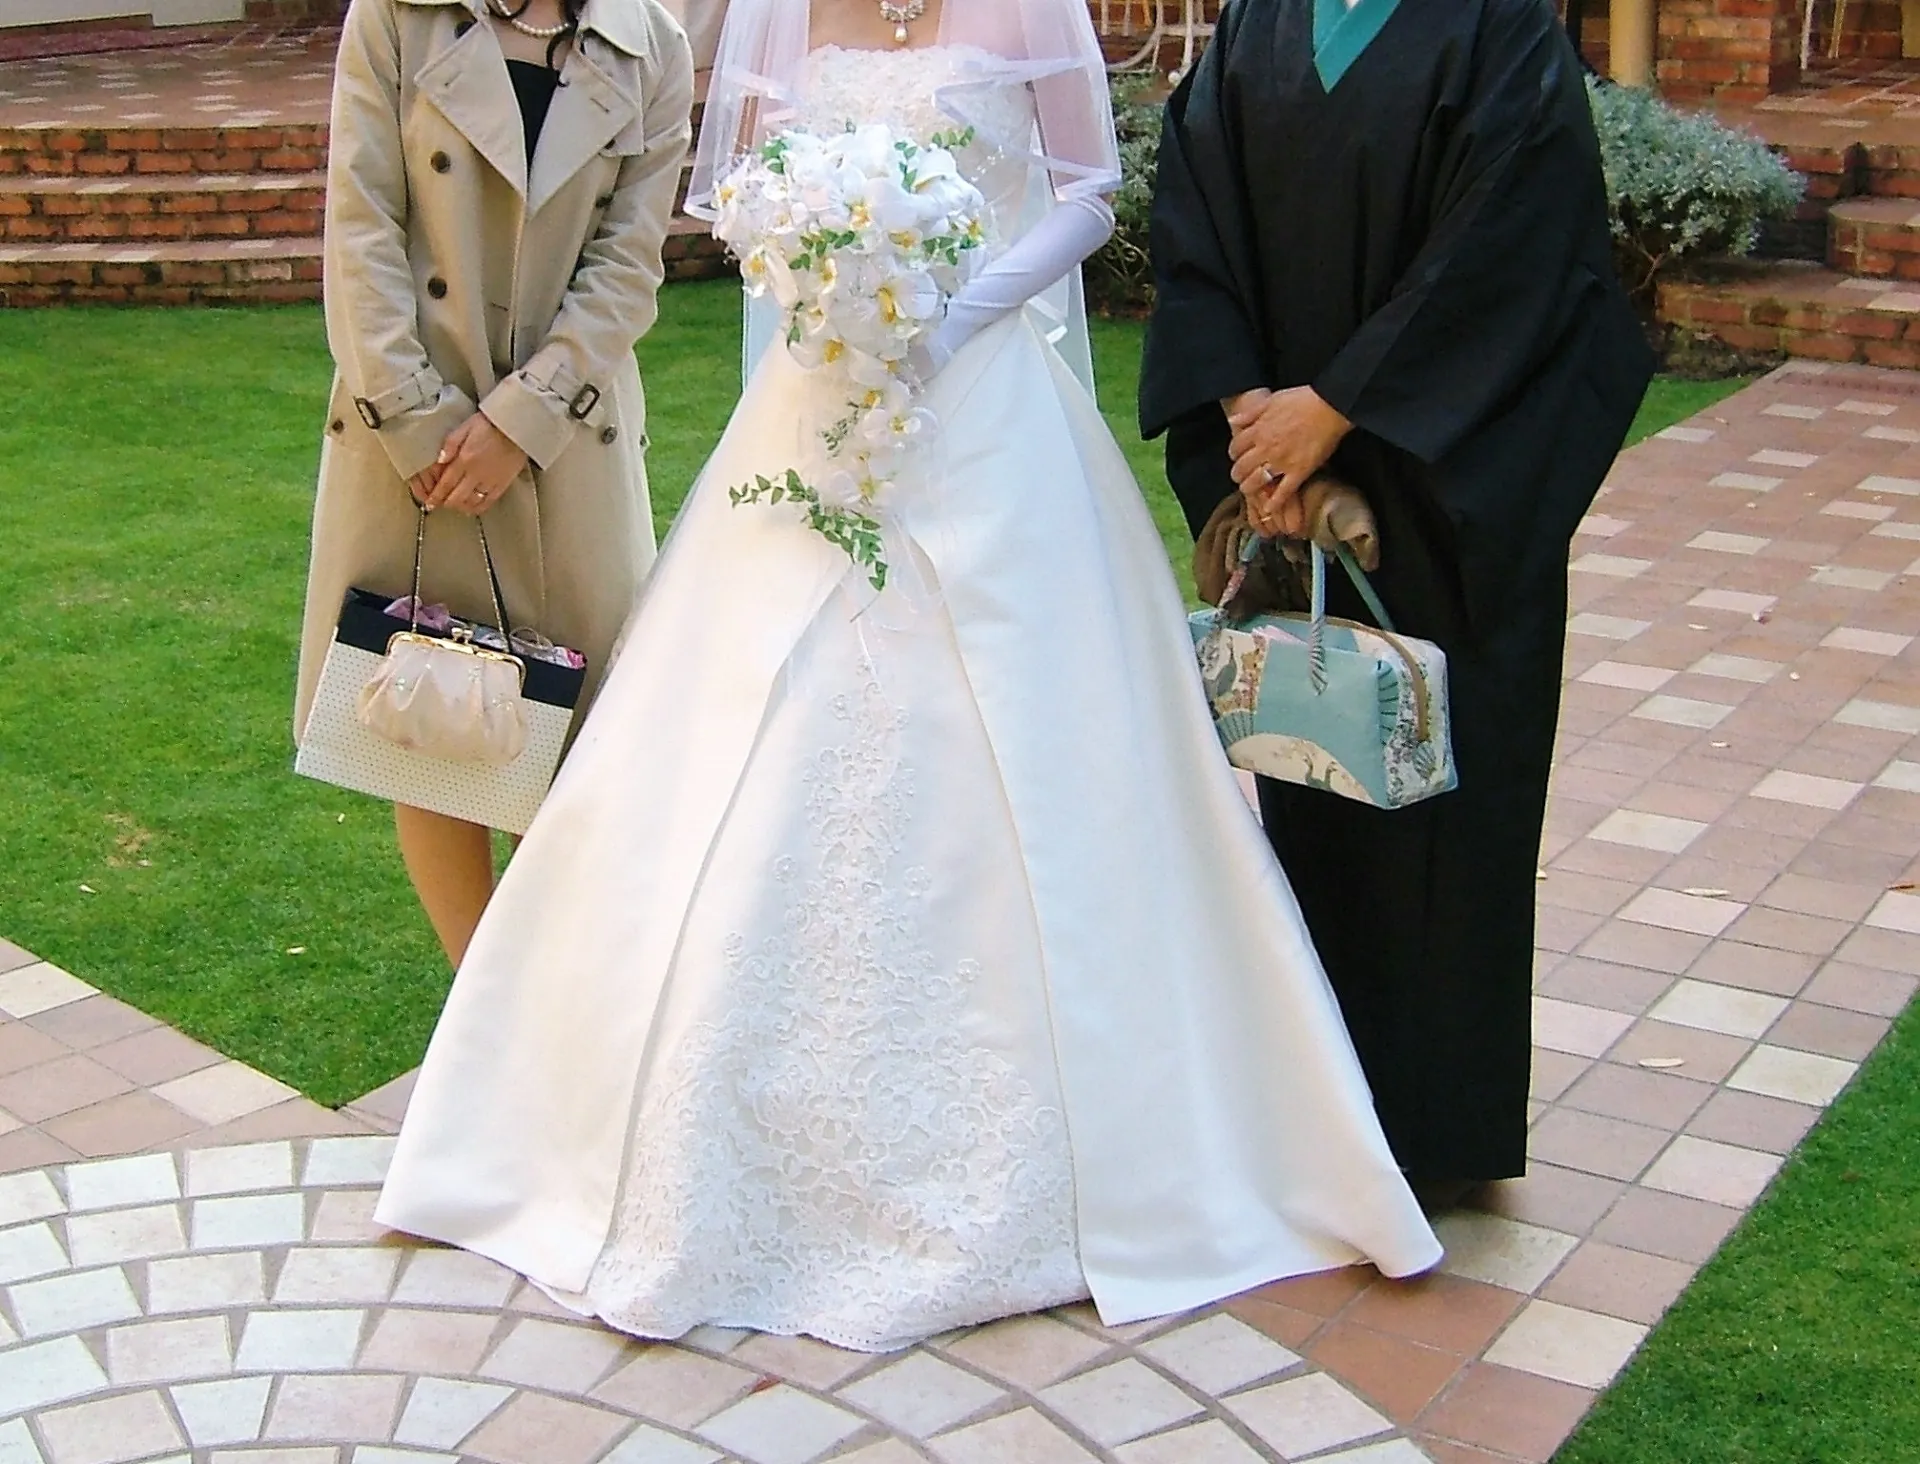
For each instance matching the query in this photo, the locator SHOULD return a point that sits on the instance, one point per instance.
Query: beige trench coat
(458, 274)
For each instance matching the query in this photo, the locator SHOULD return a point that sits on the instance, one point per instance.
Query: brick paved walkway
(249, 81)
(1729, 924)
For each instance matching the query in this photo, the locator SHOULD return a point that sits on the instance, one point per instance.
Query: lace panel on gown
(830, 1149)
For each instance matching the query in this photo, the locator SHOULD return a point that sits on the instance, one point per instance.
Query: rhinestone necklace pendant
(901, 15)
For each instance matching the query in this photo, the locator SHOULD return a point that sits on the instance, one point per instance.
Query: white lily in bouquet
(861, 238)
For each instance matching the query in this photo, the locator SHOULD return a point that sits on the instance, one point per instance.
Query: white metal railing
(1192, 30)
(1909, 30)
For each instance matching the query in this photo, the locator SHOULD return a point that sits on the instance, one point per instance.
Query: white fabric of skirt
(885, 964)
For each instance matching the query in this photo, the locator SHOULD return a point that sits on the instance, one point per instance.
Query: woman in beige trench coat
(483, 297)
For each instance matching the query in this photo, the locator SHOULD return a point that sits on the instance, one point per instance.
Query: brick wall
(1727, 50)
(1741, 51)
(1593, 35)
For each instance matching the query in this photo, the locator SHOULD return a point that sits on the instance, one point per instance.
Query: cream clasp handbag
(423, 708)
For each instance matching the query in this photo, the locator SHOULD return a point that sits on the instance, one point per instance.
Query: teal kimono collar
(1341, 33)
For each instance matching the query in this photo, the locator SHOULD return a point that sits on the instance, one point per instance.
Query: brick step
(1841, 159)
(124, 152)
(234, 271)
(1875, 238)
(275, 147)
(37, 43)
(192, 272)
(1890, 168)
(1799, 309)
(68, 209)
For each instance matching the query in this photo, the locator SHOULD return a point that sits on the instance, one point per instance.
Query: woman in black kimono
(1380, 239)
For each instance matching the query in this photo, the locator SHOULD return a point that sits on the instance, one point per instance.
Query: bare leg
(451, 865)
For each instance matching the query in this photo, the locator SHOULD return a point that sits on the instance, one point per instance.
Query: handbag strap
(1316, 653)
(1365, 587)
(493, 577)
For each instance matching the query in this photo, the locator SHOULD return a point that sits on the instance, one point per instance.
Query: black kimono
(1416, 228)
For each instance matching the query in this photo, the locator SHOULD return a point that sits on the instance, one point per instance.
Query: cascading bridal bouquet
(861, 237)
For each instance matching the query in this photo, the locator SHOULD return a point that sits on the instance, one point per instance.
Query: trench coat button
(337, 426)
(440, 163)
(608, 434)
(437, 288)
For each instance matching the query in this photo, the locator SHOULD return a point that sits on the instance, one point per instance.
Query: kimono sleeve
(1490, 295)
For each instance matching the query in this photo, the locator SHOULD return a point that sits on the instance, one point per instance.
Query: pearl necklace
(546, 32)
(901, 16)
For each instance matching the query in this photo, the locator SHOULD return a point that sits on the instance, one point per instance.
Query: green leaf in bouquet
(856, 534)
(836, 436)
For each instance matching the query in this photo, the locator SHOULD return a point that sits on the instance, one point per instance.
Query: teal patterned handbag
(1330, 704)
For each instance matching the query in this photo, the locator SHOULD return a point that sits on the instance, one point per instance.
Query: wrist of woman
(508, 436)
(1239, 402)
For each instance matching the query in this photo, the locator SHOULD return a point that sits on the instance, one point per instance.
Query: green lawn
(1800, 1342)
(155, 477)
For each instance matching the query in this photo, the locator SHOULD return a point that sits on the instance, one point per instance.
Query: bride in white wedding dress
(881, 965)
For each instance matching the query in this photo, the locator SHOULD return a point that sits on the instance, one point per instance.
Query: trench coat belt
(583, 398)
(422, 389)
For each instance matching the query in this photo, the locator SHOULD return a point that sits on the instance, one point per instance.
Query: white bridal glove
(1073, 229)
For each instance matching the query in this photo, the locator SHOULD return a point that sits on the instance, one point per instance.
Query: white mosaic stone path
(236, 1305)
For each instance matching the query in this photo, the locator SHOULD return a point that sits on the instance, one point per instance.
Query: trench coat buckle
(419, 390)
(583, 403)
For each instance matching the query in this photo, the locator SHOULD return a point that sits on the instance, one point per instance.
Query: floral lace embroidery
(830, 1156)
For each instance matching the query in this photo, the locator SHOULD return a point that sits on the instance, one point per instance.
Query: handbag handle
(1250, 550)
(1383, 627)
(1317, 620)
(493, 577)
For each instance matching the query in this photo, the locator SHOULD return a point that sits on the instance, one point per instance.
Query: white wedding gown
(879, 966)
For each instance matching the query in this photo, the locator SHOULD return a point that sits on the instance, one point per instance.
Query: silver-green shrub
(1681, 185)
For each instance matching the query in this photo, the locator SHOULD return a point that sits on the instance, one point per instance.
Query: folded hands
(477, 464)
(1280, 440)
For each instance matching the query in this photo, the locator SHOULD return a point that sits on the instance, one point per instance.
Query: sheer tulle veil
(1047, 45)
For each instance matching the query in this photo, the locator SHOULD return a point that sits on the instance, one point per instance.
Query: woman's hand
(420, 485)
(477, 464)
(1279, 442)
